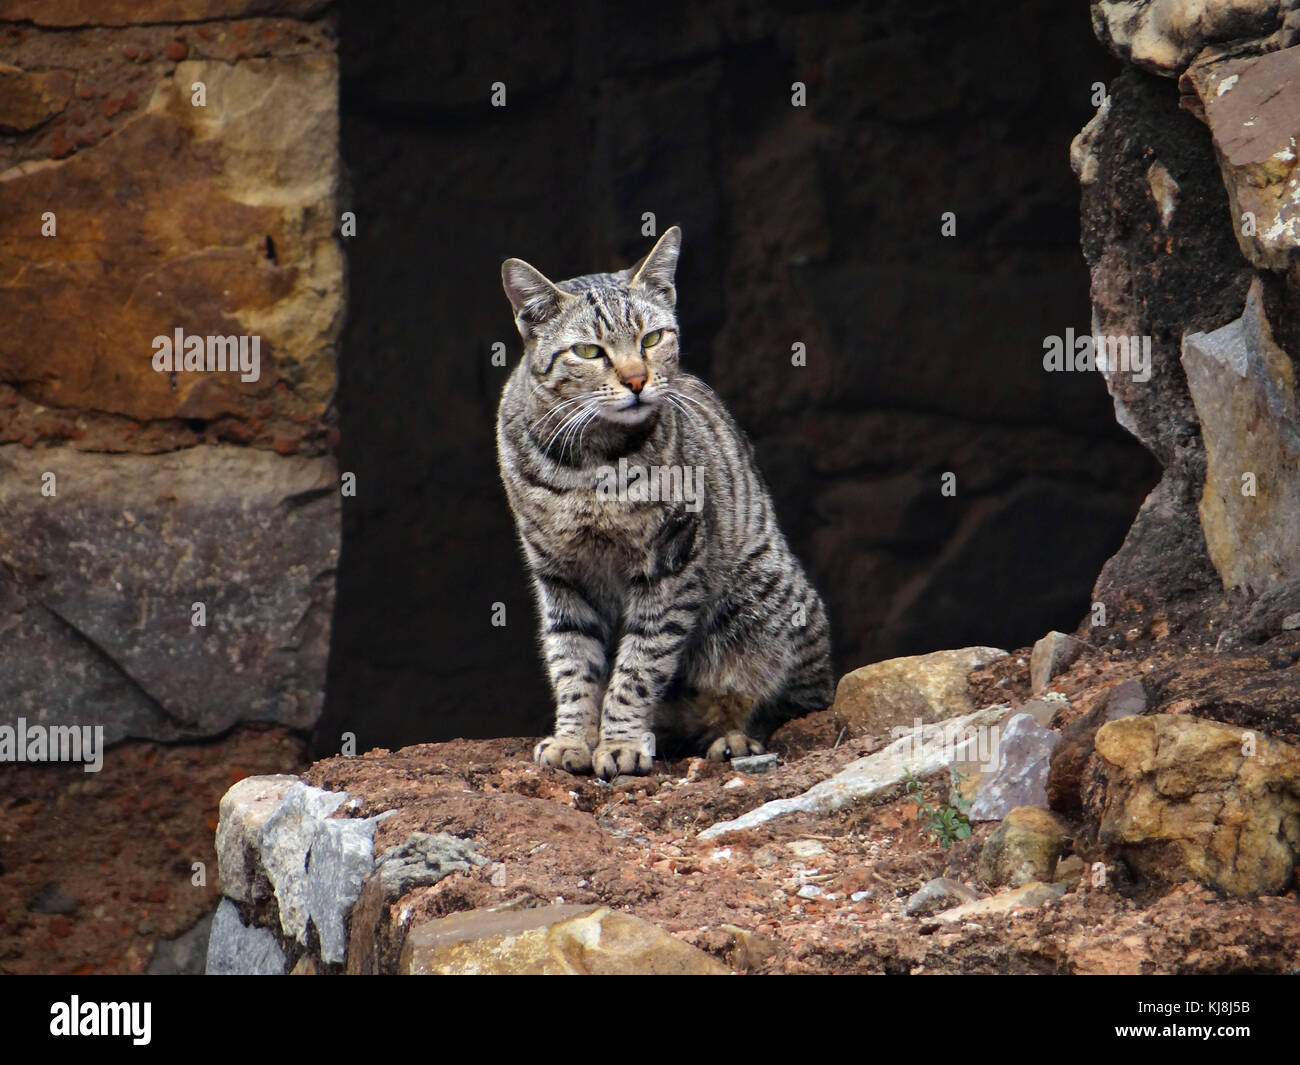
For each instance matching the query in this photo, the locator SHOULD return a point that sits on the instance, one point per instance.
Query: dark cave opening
(818, 225)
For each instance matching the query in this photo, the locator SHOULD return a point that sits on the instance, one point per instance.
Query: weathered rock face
(1243, 386)
(900, 692)
(1163, 36)
(235, 236)
(165, 596)
(137, 12)
(1189, 204)
(243, 811)
(173, 285)
(1181, 798)
(236, 949)
(28, 98)
(1252, 108)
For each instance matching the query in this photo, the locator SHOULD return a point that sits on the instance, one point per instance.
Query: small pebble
(809, 891)
(755, 763)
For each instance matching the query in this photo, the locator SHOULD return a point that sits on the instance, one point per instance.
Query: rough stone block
(898, 692)
(234, 949)
(100, 579)
(550, 940)
(243, 811)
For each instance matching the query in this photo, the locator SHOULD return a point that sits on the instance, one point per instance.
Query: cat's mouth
(635, 409)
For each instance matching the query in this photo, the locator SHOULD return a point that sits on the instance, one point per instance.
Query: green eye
(587, 351)
(651, 338)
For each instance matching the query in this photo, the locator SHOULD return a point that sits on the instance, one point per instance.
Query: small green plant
(945, 823)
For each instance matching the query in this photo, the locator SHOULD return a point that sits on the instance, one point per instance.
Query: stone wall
(168, 533)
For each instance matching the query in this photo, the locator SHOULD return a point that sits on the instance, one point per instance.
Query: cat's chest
(586, 521)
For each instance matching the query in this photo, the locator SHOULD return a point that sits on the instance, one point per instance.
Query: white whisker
(570, 418)
(535, 427)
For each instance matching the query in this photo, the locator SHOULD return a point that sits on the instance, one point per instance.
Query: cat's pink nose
(635, 383)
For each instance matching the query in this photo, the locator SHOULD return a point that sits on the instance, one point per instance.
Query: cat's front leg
(658, 621)
(574, 638)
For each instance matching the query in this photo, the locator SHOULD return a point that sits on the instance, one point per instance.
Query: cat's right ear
(533, 297)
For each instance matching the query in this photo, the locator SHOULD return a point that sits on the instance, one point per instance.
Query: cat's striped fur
(685, 619)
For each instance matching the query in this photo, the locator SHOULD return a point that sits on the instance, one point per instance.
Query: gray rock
(1024, 754)
(342, 853)
(283, 843)
(754, 763)
(1243, 386)
(1003, 904)
(234, 949)
(1045, 708)
(99, 582)
(919, 751)
(1125, 699)
(1053, 654)
(243, 811)
(423, 859)
(186, 955)
(936, 895)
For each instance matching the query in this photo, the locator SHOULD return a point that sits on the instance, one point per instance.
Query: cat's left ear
(657, 272)
(534, 298)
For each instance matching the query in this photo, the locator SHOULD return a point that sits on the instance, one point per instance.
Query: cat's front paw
(563, 752)
(615, 759)
(732, 745)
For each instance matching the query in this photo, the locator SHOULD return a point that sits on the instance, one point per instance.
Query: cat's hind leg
(725, 718)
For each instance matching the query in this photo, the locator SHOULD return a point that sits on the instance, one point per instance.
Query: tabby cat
(670, 603)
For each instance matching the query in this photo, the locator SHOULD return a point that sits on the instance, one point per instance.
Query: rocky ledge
(1106, 823)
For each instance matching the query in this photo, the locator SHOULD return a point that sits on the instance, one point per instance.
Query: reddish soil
(95, 869)
(113, 851)
(634, 845)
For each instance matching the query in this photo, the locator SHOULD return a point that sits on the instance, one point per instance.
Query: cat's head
(606, 342)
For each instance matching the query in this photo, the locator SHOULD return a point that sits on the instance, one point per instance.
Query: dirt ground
(802, 894)
(97, 869)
